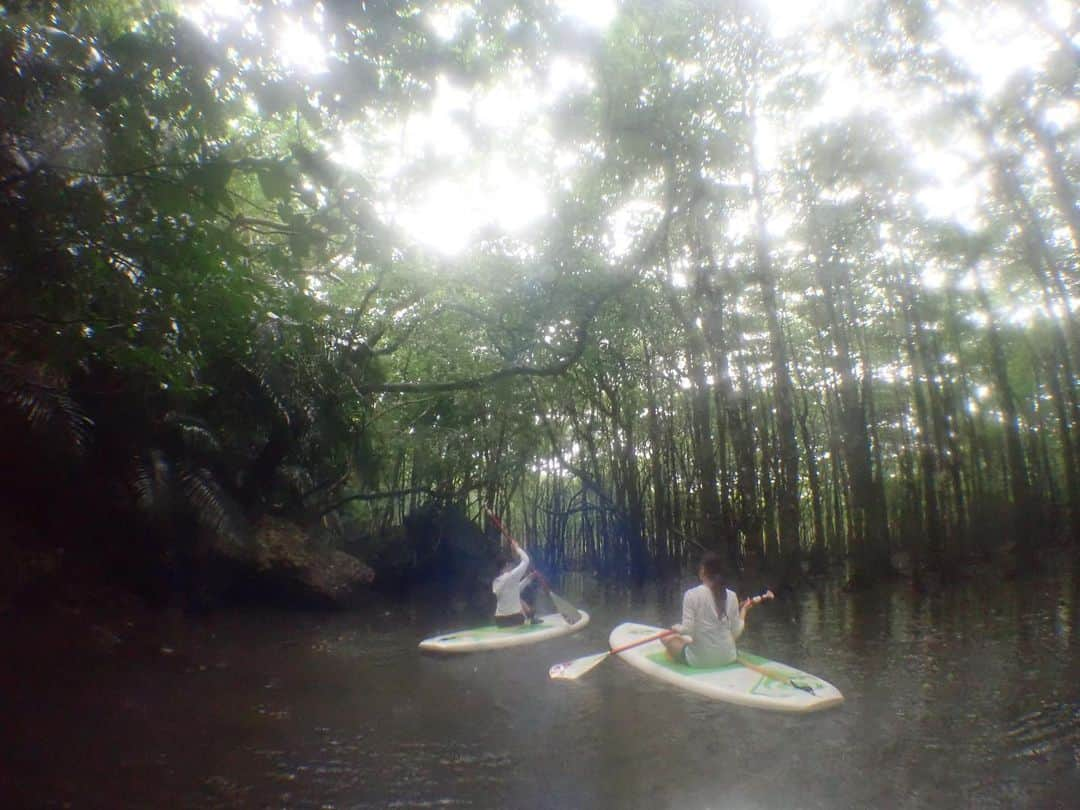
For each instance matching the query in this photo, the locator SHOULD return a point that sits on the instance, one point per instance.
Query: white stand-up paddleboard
(750, 681)
(497, 638)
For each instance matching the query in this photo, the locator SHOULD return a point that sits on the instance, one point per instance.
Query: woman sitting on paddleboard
(712, 620)
(510, 608)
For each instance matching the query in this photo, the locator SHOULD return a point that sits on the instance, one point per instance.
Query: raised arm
(745, 608)
(523, 561)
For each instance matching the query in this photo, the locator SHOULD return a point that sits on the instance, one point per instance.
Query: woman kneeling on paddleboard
(711, 620)
(510, 609)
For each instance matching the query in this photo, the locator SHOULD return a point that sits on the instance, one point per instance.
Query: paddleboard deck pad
(491, 637)
(750, 681)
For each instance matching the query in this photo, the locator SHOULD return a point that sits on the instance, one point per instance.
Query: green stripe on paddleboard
(663, 660)
(787, 675)
(766, 684)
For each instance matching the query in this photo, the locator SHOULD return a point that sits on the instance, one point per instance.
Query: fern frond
(151, 482)
(212, 507)
(194, 433)
(42, 402)
(266, 388)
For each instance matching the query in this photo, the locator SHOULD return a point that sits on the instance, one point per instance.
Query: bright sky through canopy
(300, 49)
(509, 113)
(787, 17)
(594, 13)
(996, 49)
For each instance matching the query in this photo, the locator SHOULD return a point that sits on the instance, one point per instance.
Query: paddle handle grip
(757, 600)
(640, 641)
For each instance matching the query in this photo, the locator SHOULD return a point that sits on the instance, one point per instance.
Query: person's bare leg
(673, 646)
(530, 612)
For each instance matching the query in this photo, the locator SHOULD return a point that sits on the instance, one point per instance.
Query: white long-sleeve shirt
(507, 587)
(713, 634)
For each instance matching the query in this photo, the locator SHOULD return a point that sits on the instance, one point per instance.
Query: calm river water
(965, 698)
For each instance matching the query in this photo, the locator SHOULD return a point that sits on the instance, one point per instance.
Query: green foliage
(190, 276)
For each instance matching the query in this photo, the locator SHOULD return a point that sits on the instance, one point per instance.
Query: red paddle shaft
(641, 641)
(499, 526)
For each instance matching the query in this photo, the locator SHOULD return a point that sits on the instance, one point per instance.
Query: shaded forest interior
(687, 276)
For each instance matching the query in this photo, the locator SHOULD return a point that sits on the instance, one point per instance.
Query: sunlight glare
(1062, 116)
(488, 189)
(953, 192)
(780, 223)
(626, 223)
(350, 153)
(513, 202)
(766, 143)
(566, 76)
(446, 21)
(446, 219)
(844, 92)
(933, 277)
(787, 18)
(995, 47)
(438, 131)
(300, 49)
(968, 282)
(452, 213)
(1060, 13)
(594, 13)
(507, 104)
(211, 16)
(1024, 314)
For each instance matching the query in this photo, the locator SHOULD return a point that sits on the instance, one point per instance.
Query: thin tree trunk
(787, 483)
(1016, 467)
(662, 518)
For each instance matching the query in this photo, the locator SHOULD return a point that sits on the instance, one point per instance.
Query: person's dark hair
(713, 566)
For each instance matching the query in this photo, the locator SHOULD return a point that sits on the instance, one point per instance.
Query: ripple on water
(355, 770)
(1052, 728)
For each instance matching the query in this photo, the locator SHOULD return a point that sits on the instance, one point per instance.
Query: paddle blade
(568, 611)
(572, 670)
